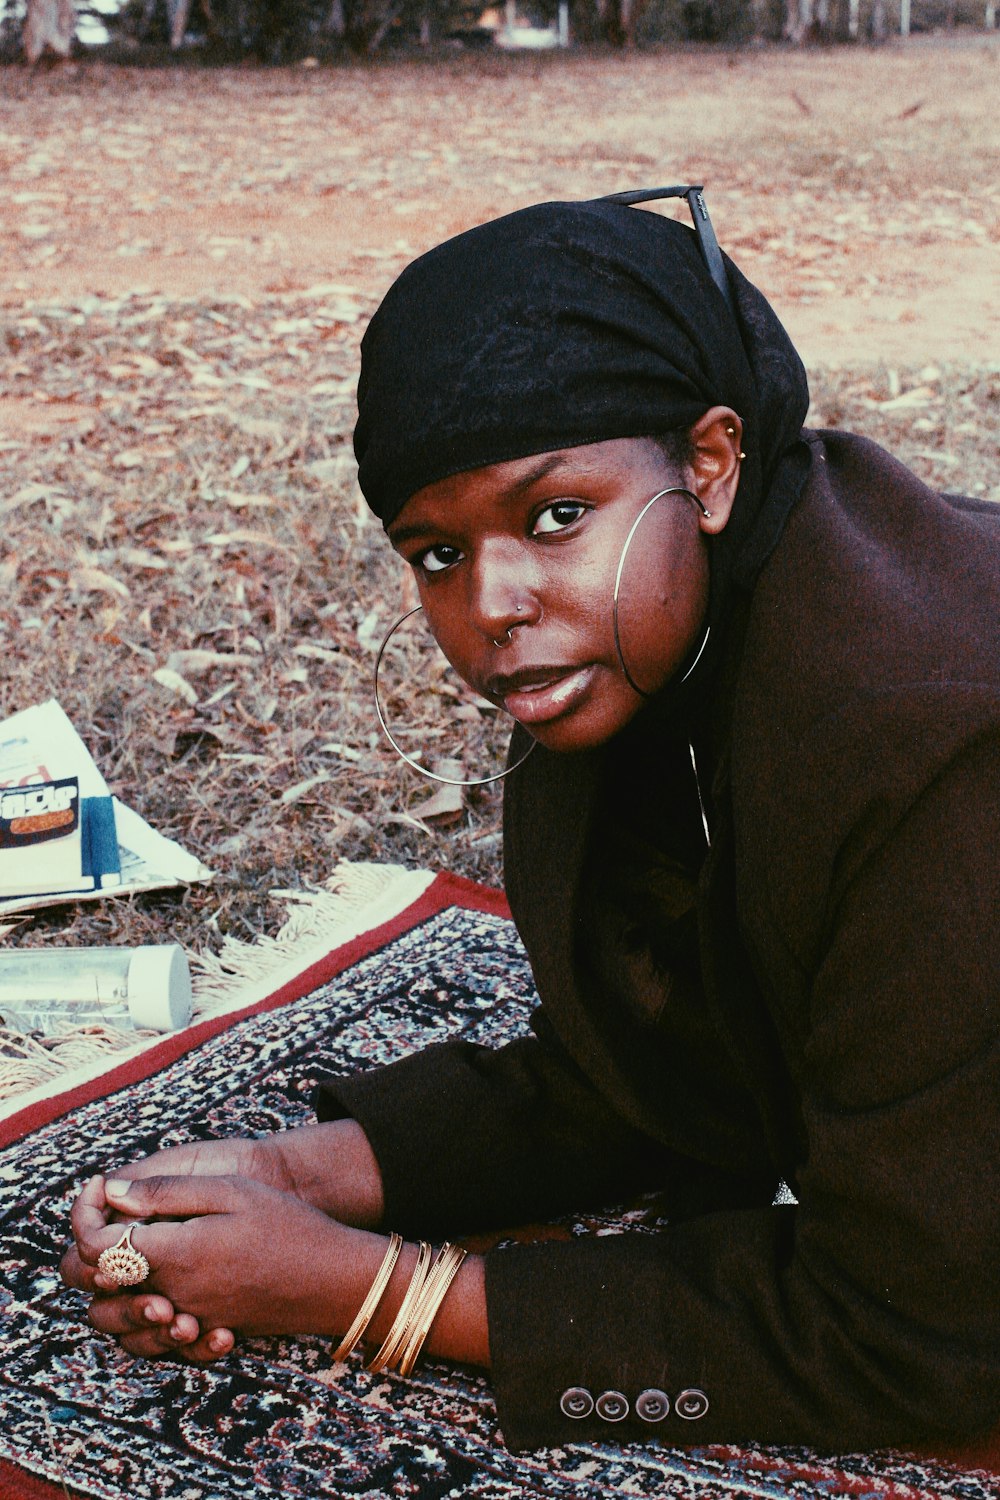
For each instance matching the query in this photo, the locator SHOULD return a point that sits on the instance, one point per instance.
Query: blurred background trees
(277, 31)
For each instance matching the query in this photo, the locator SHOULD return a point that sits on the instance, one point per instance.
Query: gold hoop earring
(414, 764)
(674, 490)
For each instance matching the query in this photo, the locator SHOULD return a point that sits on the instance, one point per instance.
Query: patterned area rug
(78, 1417)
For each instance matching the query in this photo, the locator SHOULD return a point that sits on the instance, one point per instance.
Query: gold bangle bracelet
(376, 1292)
(400, 1330)
(435, 1289)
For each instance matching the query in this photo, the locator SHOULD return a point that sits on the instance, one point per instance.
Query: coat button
(652, 1405)
(577, 1402)
(691, 1404)
(612, 1406)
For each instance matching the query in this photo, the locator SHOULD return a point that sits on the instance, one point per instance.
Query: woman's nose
(502, 595)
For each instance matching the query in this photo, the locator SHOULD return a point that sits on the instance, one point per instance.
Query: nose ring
(507, 636)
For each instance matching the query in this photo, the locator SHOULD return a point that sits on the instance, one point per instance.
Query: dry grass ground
(188, 262)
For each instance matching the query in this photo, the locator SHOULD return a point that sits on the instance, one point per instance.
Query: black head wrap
(565, 324)
(572, 323)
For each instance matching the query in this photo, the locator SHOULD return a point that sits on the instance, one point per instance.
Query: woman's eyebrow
(399, 535)
(550, 464)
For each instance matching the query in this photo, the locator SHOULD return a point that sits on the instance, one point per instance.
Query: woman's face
(532, 546)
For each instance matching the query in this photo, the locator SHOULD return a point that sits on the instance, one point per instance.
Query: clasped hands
(239, 1238)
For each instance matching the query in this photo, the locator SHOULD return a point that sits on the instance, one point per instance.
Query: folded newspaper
(63, 836)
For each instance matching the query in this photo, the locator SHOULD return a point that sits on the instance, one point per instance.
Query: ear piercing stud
(731, 432)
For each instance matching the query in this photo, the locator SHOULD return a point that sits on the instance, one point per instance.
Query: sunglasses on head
(702, 227)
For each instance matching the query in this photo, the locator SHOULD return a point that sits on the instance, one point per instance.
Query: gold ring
(122, 1263)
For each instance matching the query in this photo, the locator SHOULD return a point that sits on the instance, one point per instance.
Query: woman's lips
(533, 698)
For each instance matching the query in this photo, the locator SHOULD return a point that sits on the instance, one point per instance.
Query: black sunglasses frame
(707, 241)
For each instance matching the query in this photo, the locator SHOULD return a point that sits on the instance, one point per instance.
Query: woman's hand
(145, 1323)
(330, 1166)
(235, 1254)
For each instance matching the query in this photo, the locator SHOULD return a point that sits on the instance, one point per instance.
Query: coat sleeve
(869, 1314)
(472, 1138)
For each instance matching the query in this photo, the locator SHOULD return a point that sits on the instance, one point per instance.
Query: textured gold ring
(122, 1262)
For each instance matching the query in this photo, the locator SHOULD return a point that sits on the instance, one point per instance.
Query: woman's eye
(436, 559)
(556, 517)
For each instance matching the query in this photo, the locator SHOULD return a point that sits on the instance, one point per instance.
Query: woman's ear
(714, 465)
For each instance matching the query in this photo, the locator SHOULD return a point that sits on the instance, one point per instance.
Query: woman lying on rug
(753, 858)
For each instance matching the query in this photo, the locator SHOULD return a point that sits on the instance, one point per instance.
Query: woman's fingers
(147, 1327)
(93, 1237)
(93, 1233)
(213, 1345)
(96, 1216)
(200, 1351)
(174, 1197)
(156, 1199)
(145, 1323)
(130, 1313)
(152, 1198)
(89, 1217)
(76, 1273)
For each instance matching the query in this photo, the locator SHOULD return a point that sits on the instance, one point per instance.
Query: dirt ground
(857, 187)
(187, 259)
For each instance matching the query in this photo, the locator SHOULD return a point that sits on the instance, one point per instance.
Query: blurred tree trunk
(617, 20)
(758, 17)
(383, 25)
(878, 25)
(838, 21)
(49, 27)
(798, 20)
(178, 14)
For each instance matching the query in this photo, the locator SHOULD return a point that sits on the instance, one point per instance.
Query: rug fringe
(353, 900)
(26, 1061)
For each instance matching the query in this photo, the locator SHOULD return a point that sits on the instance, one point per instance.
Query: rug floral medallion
(278, 1418)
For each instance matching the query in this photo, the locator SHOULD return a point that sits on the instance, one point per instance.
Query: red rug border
(17, 1483)
(445, 890)
(20, 1484)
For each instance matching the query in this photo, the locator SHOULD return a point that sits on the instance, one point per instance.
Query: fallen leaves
(198, 661)
(917, 395)
(446, 805)
(31, 494)
(175, 683)
(185, 559)
(95, 580)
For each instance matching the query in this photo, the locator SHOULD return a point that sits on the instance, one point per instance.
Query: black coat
(820, 1008)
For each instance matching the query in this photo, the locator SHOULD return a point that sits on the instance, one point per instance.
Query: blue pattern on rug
(276, 1418)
